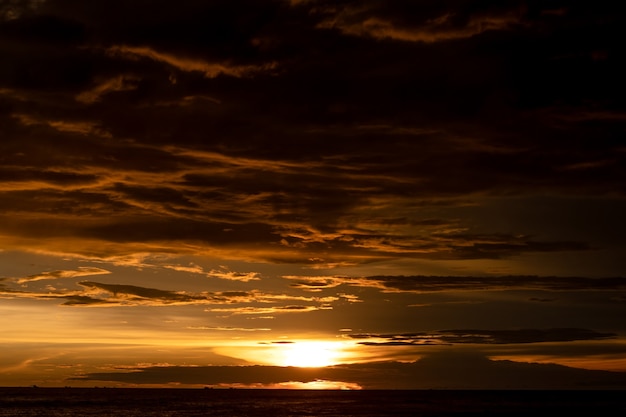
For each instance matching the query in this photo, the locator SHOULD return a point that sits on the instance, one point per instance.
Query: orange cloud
(225, 273)
(427, 284)
(210, 70)
(81, 272)
(64, 126)
(366, 23)
(432, 32)
(119, 83)
(268, 310)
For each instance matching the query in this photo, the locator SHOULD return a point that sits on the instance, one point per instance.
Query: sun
(309, 354)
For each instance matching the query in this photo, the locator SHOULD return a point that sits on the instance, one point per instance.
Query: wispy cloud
(428, 284)
(433, 30)
(231, 329)
(225, 273)
(183, 63)
(318, 283)
(249, 310)
(54, 275)
(119, 83)
(109, 295)
(433, 24)
(80, 127)
(476, 336)
(12, 10)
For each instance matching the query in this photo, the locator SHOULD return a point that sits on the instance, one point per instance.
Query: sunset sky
(313, 193)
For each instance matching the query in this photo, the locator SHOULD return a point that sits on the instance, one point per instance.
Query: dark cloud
(427, 22)
(138, 293)
(251, 310)
(18, 174)
(53, 275)
(427, 284)
(83, 300)
(101, 294)
(542, 300)
(111, 295)
(475, 336)
(229, 120)
(209, 375)
(446, 370)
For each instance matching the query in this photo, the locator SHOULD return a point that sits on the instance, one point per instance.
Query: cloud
(542, 300)
(15, 179)
(319, 153)
(485, 337)
(294, 209)
(119, 83)
(251, 302)
(208, 375)
(53, 275)
(230, 329)
(449, 370)
(225, 273)
(102, 294)
(11, 10)
(309, 283)
(136, 295)
(192, 268)
(210, 70)
(294, 308)
(460, 245)
(79, 127)
(377, 20)
(427, 284)
(83, 300)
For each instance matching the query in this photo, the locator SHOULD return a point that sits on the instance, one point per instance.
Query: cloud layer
(228, 136)
(475, 336)
(427, 284)
(449, 371)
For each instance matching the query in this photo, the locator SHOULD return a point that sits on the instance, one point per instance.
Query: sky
(313, 194)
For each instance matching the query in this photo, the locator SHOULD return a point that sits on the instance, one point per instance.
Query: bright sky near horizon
(313, 194)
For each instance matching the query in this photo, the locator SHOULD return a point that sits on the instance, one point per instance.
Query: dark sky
(340, 172)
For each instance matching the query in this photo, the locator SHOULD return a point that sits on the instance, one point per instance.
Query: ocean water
(282, 403)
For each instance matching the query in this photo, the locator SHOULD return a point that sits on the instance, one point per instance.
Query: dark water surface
(282, 403)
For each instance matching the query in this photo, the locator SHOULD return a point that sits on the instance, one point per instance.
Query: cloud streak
(430, 284)
(210, 70)
(54, 275)
(115, 295)
(481, 337)
(401, 22)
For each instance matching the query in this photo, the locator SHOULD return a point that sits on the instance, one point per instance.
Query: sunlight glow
(318, 384)
(309, 354)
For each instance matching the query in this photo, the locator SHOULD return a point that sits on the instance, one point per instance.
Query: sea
(130, 402)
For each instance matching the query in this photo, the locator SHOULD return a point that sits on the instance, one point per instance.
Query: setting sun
(309, 354)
